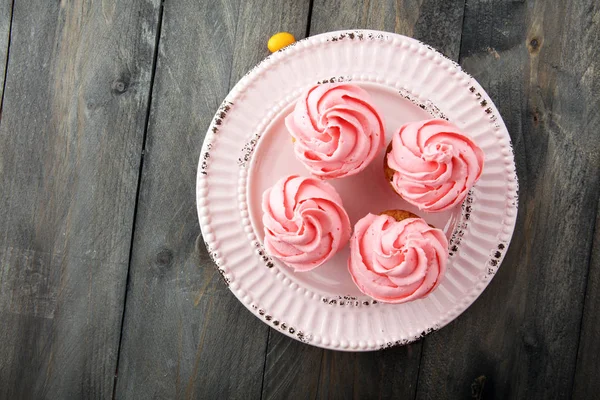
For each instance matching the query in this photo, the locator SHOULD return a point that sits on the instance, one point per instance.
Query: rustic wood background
(106, 289)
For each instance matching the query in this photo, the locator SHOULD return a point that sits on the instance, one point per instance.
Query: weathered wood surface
(185, 335)
(438, 23)
(587, 384)
(538, 60)
(100, 132)
(293, 370)
(73, 116)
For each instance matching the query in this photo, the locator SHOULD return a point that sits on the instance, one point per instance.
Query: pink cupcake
(396, 257)
(336, 130)
(432, 164)
(304, 220)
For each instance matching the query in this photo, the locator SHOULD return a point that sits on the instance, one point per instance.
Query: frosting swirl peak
(304, 221)
(432, 165)
(397, 261)
(337, 131)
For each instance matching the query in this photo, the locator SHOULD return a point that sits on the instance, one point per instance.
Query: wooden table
(106, 289)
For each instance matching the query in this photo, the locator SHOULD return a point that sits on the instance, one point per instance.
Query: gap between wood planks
(12, 6)
(137, 194)
(586, 297)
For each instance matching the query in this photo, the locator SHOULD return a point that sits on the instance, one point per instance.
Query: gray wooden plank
(437, 23)
(293, 369)
(257, 21)
(5, 21)
(519, 340)
(185, 334)
(70, 141)
(587, 384)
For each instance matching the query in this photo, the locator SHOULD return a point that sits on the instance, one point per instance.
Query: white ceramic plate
(247, 149)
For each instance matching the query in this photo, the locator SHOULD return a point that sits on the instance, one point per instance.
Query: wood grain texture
(297, 371)
(538, 61)
(185, 334)
(437, 23)
(293, 369)
(5, 21)
(587, 384)
(70, 139)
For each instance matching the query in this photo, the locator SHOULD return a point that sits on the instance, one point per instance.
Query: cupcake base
(399, 215)
(389, 173)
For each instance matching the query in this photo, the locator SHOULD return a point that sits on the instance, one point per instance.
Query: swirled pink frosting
(305, 222)
(337, 131)
(434, 164)
(397, 262)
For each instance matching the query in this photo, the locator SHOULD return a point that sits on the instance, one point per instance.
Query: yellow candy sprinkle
(279, 40)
